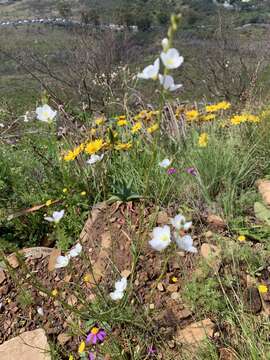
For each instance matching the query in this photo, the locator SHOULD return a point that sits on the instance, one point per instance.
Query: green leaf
(262, 213)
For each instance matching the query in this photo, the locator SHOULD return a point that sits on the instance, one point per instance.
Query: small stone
(63, 338)
(208, 234)
(125, 273)
(211, 254)
(136, 283)
(175, 296)
(162, 218)
(160, 287)
(13, 261)
(2, 276)
(172, 288)
(252, 300)
(171, 344)
(151, 306)
(216, 221)
(227, 354)
(184, 314)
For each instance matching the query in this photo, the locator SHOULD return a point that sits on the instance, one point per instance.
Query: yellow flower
(72, 154)
(48, 202)
(87, 278)
(121, 117)
(203, 140)
(54, 293)
(192, 115)
(241, 238)
(174, 279)
(238, 119)
(123, 146)
(71, 357)
(94, 146)
(223, 105)
(122, 122)
(81, 347)
(208, 117)
(136, 128)
(263, 289)
(83, 193)
(152, 128)
(99, 121)
(65, 190)
(69, 156)
(253, 118)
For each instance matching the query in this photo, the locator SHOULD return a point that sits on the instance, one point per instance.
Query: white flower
(150, 72)
(120, 287)
(185, 243)
(61, 262)
(25, 116)
(40, 311)
(56, 216)
(165, 44)
(161, 238)
(2, 125)
(179, 222)
(167, 82)
(165, 163)
(94, 158)
(45, 113)
(75, 251)
(171, 59)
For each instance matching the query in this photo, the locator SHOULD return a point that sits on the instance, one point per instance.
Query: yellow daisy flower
(94, 146)
(152, 128)
(136, 128)
(192, 115)
(241, 238)
(123, 146)
(263, 289)
(81, 347)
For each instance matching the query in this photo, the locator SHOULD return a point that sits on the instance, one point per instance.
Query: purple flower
(151, 350)
(96, 335)
(91, 356)
(192, 171)
(171, 171)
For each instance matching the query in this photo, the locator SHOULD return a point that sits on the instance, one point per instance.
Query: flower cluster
(119, 288)
(170, 59)
(242, 118)
(95, 337)
(63, 261)
(161, 236)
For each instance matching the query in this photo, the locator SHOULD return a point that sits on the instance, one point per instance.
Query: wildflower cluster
(161, 236)
(170, 59)
(239, 119)
(88, 348)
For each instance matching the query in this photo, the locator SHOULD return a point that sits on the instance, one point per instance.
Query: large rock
(31, 345)
(195, 333)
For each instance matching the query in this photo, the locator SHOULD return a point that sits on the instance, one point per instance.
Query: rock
(252, 300)
(264, 190)
(63, 338)
(172, 288)
(184, 314)
(175, 296)
(216, 221)
(31, 345)
(52, 260)
(195, 333)
(36, 252)
(162, 218)
(13, 261)
(227, 354)
(125, 273)
(160, 287)
(211, 254)
(2, 276)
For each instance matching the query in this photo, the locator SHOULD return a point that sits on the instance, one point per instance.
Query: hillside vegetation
(134, 180)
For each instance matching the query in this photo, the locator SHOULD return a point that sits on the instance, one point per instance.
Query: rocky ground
(107, 246)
